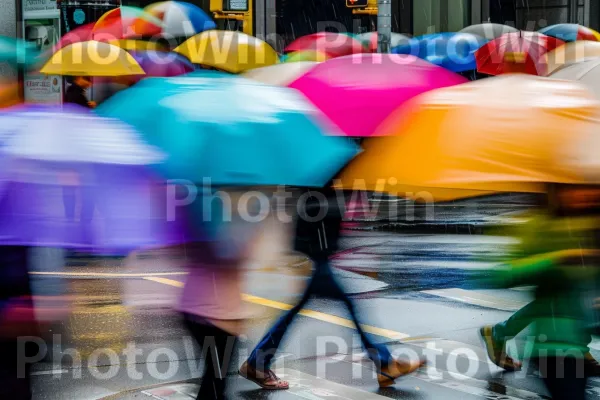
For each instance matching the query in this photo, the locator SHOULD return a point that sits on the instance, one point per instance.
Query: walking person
(211, 302)
(564, 271)
(318, 238)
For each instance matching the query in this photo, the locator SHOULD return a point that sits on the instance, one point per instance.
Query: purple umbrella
(69, 178)
(162, 64)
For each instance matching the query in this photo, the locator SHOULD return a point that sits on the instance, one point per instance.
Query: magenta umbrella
(358, 92)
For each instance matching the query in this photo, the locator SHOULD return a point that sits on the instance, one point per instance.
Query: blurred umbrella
(50, 151)
(571, 53)
(358, 92)
(369, 40)
(162, 64)
(509, 134)
(453, 51)
(10, 95)
(489, 31)
(179, 19)
(332, 44)
(92, 58)
(587, 72)
(17, 51)
(228, 51)
(516, 52)
(280, 74)
(232, 131)
(123, 18)
(306, 55)
(571, 32)
(136, 45)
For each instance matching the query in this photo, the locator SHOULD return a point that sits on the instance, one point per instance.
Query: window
(434, 16)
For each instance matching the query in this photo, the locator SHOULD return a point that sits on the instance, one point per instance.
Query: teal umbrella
(17, 51)
(233, 131)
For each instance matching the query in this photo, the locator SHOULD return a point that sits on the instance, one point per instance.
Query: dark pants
(564, 377)
(322, 284)
(14, 284)
(218, 346)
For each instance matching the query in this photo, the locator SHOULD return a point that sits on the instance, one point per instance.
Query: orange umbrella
(505, 134)
(10, 95)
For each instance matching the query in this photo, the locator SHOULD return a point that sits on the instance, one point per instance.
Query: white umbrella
(587, 72)
(489, 30)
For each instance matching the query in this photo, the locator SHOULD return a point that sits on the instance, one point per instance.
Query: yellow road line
(108, 274)
(332, 319)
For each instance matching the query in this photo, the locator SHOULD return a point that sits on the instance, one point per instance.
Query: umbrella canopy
(232, 131)
(332, 44)
(306, 55)
(51, 153)
(162, 64)
(179, 19)
(453, 51)
(124, 17)
(280, 74)
(358, 92)
(488, 30)
(488, 136)
(586, 72)
(92, 58)
(138, 45)
(516, 52)
(113, 26)
(369, 40)
(571, 53)
(17, 51)
(228, 51)
(571, 32)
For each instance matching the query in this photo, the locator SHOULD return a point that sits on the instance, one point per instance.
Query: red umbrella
(516, 52)
(330, 43)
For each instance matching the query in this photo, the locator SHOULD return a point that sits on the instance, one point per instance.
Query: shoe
(496, 351)
(397, 368)
(266, 380)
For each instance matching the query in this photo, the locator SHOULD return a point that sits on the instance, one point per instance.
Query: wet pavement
(122, 341)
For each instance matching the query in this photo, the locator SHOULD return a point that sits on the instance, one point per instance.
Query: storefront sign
(38, 5)
(39, 88)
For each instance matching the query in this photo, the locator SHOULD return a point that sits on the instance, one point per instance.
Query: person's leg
(510, 328)
(495, 337)
(217, 347)
(262, 355)
(564, 377)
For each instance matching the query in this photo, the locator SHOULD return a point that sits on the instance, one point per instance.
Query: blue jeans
(322, 284)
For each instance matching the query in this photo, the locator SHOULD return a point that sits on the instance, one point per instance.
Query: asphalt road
(421, 294)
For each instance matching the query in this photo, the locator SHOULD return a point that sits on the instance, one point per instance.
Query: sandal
(266, 380)
(397, 368)
(496, 352)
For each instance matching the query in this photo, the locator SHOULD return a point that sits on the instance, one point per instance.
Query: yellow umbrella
(571, 53)
(229, 51)
(506, 134)
(92, 58)
(306, 55)
(133, 44)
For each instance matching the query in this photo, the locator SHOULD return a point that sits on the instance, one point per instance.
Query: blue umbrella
(233, 131)
(453, 51)
(69, 178)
